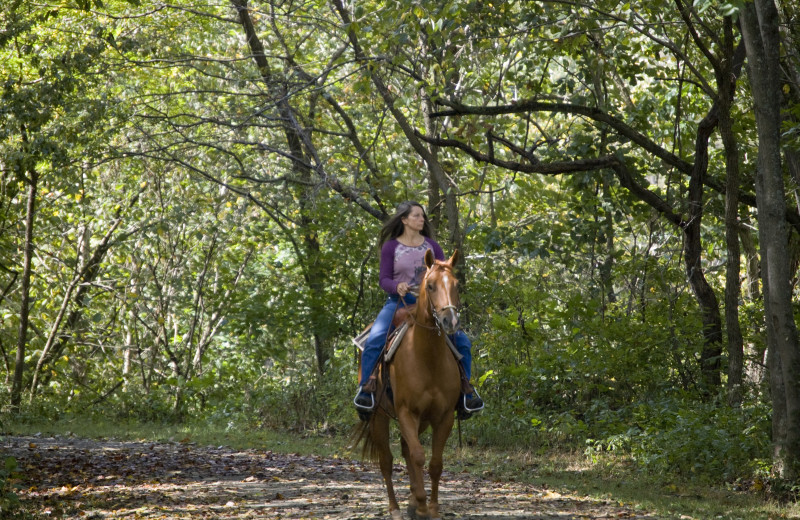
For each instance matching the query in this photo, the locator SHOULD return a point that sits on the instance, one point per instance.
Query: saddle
(400, 323)
(401, 316)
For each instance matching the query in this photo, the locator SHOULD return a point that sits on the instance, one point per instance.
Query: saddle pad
(394, 341)
(361, 340)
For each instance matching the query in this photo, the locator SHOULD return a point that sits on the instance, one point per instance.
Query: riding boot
(365, 398)
(469, 402)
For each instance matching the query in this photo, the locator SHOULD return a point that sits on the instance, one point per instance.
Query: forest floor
(65, 477)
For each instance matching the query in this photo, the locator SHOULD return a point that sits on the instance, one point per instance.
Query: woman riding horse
(424, 380)
(404, 239)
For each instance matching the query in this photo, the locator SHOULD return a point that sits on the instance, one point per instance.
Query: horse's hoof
(414, 515)
(397, 515)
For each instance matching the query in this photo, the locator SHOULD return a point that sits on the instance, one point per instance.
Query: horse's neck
(425, 325)
(422, 313)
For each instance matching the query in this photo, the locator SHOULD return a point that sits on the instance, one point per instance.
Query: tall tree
(40, 104)
(760, 30)
(31, 179)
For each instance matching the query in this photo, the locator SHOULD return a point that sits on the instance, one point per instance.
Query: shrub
(698, 441)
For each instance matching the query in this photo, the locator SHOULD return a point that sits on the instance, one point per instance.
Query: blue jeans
(380, 329)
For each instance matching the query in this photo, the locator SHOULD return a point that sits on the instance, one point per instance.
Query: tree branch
(554, 168)
(595, 114)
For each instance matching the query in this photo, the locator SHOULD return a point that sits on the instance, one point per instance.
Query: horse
(425, 384)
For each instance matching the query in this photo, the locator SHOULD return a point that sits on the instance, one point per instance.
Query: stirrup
(464, 403)
(361, 407)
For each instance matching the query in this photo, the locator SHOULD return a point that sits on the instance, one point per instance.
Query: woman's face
(415, 219)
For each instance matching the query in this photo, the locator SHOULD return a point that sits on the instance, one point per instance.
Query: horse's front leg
(380, 436)
(441, 432)
(415, 460)
(412, 499)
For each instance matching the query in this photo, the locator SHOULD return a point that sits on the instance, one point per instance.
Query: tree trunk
(752, 262)
(755, 367)
(779, 418)
(25, 304)
(759, 24)
(606, 267)
(88, 270)
(727, 83)
(692, 251)
(434, 189)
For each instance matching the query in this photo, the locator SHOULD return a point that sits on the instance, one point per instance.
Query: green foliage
(305, 402)
(695, 441)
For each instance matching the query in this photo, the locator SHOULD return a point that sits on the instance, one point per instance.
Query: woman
(404, 239)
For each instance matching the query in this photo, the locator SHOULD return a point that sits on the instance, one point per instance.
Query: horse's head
(440, 287)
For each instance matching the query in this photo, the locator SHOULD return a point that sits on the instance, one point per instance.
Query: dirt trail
(90, 479)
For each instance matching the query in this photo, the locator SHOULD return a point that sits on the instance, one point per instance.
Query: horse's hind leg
(380, 436)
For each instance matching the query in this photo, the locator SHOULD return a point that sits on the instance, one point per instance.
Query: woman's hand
(402, 289)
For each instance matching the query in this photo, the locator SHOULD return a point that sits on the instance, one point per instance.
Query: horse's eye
(431, 287)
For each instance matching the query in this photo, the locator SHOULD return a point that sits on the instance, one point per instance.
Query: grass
(612, 478)
(617, 480)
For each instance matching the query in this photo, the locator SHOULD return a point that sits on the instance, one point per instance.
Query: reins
(416, 323)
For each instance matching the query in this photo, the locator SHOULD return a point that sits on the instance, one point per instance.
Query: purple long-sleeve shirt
(401, 263)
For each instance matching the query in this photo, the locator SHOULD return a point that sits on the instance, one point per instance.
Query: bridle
(436, 317)
(437, 320)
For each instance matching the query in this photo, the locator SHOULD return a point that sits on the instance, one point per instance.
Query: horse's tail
(363, 435)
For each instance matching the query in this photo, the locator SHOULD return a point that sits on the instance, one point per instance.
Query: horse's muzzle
(448, 320)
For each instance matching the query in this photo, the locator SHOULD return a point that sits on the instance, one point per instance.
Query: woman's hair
(393, 227)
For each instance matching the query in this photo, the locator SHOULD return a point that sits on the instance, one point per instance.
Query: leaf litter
(65, 477)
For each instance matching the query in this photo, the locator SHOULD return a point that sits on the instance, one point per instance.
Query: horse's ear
(429, 258)
(455, 258)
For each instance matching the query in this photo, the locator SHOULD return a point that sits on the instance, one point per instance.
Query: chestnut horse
(425, 384)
